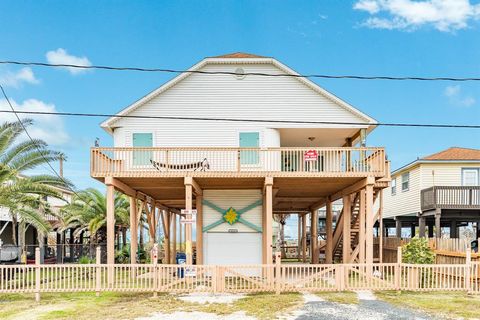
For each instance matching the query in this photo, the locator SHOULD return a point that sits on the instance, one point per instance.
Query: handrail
(450, 197)
(137, 161)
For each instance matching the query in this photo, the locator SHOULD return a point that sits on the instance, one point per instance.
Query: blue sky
(367, 37)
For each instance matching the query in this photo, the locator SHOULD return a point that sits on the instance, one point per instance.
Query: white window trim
(393, 188)
(471, 169)
(408, 181)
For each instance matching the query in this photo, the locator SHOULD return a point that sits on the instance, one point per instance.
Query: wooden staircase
(354, 229)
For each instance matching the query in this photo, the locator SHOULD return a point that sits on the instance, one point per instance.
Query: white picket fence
(237, 278)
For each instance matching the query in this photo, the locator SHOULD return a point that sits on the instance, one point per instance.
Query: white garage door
(232, 248)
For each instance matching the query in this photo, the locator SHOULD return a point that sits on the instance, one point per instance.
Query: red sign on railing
(310, 155)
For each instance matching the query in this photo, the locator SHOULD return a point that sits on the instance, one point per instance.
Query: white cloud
(455, 97)
(61, 56)
(371, 6)
(444, 15)
(16, 79)
(49, 128)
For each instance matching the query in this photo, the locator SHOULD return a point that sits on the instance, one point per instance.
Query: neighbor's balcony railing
(214, 161)
(450, 197)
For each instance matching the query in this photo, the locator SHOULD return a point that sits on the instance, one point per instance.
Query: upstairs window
(470, 177)
(405, 181)
(394, 186)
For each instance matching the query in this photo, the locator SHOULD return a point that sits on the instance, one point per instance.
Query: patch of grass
(344, 297)
(268, 305)
(451, 304)
(132, 305)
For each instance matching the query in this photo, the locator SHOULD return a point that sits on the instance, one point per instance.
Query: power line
(167, 70)
(385, 124)
(66, 184)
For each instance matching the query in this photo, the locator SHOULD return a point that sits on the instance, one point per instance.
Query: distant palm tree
(25, 196)
(88, 212)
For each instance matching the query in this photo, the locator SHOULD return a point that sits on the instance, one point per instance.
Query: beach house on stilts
(240, 147)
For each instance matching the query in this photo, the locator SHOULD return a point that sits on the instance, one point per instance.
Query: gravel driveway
(368, 308)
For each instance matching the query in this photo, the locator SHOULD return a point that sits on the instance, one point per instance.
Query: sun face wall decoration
(230, 216)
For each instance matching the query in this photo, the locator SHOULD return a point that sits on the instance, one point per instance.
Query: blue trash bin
(181, 258)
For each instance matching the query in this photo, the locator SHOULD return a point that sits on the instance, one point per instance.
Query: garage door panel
(232, 248)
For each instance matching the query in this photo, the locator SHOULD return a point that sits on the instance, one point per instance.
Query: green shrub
(84, 260)
(417, 251)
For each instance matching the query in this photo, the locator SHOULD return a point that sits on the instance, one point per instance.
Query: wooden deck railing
(450, 197)
(152, 162)
(277, 277)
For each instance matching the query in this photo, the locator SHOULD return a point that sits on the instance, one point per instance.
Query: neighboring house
(259, 153)
(442, 189)
(30, 238)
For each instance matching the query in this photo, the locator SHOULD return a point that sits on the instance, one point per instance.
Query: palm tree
(88, 211)
(23, 195)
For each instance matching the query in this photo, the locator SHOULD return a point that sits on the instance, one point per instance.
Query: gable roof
(239, 55)
(455, 153)
(238, 58)
(450, 155)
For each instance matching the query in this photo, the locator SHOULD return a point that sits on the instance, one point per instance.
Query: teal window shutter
(249, 140)
(142, 140)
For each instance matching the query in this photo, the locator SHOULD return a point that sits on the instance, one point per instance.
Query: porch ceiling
(289, 193)
(326, 137)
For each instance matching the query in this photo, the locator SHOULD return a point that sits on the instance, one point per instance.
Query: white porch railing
(135, 162)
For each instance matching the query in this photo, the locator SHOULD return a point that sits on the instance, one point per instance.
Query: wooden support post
(304, 238)
(278, 271)
(329, 232)
(380, 235)
(369, 217)
(347, 216)
(468, 270)
(453, 229)
(398, 269)
(268, 220)
(110, 231)
(37, 274)
(154, 256)
(421, 227)
(299, 237)
(362, 225)
(168, 237)
(188, 226)
(98, 271)
(133, 230)
(398, 228)
(173, 237)
(438, 226)
(314, 236)
(199, 226)
(430, 230)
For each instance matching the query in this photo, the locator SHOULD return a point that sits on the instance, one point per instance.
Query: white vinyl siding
(223, 96)
(422, 176)
(403, 203)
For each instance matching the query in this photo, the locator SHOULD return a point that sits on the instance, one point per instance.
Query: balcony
(238, 162)
(450, 197)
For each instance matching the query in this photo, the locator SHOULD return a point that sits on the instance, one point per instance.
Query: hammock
(200, 165)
